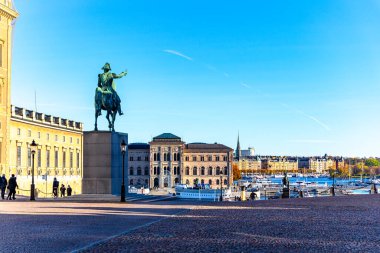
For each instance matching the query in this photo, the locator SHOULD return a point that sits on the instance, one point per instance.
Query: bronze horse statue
(106, 97)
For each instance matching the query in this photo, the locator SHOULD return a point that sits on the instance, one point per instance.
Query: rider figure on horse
(106, 85)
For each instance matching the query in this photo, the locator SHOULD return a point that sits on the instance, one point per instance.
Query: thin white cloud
(169, 51)
(311, 117)
(246, 85)
(226, 74)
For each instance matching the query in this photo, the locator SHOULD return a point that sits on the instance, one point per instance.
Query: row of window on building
(167, 157)
(38, 136)
(176, 171)
(38, 158)
(202, 158)
(138, 158)
(177, 157)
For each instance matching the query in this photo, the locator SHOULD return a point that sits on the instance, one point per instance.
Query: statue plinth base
(285, 193)
(102, 162)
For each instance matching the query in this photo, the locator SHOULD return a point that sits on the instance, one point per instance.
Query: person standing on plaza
(63, 190)
(55, 187)
(12, 185)
(69, 190)
(3, 185)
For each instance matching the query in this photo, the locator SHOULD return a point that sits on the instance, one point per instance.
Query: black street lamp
(123, 148)
(221, 185)
(33, 148)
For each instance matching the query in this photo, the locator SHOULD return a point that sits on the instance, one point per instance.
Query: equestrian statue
(106, 97)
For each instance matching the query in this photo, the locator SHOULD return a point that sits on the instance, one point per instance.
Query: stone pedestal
(102, 162)
(285, 193)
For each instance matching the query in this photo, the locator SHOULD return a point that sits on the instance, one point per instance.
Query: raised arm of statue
(124, 73)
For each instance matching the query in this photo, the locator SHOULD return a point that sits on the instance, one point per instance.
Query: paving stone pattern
(67, 225)
(329, 224)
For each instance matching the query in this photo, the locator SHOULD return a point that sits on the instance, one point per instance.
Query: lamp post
(33, 148)
(123, 148)
(221, 185)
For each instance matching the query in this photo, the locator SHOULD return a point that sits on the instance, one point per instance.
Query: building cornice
(8, 12)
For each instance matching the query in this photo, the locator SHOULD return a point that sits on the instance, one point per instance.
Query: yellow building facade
(59, 151)
(7, 16)
(60, 141)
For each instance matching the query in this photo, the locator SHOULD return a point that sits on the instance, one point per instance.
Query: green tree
(372, 162)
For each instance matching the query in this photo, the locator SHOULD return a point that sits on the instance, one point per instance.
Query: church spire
(238, 150)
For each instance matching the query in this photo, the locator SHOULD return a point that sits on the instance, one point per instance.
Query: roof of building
(138, 145)
(166, 136)
(203, 147)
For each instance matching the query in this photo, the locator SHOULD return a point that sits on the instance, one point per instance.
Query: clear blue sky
(293, 77)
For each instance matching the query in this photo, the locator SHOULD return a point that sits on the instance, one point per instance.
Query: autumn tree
(236, 172)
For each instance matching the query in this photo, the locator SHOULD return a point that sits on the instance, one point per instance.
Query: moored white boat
(202, 194)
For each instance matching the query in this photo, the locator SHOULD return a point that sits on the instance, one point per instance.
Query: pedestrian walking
(12, 185)
(3, 185)
(69, 191)
(63, 190)
(55, 187)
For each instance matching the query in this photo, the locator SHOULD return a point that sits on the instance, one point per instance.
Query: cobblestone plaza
(340, 224)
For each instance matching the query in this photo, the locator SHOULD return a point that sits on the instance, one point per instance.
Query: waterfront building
(317, 164)
(166, 152)
(207, 164)
(248, 152)
(279, 164)
(249, 164)
(139, 164)
(167, 161)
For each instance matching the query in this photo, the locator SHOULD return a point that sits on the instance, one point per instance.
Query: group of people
(10, 184)
(62, 189)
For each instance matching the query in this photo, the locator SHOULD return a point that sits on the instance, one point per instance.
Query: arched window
(217, 182)
(138, 182)
(158, 170)
(225, 181)
(155, 157)
(146, 172)
(225, 171)
(131, 182)
(203, 171)
(164, 156)
(178, 157)
(217, 171)
(210, 182)
(210, 171)
(195, 171)
(131, 171)
(158, 156)
(168, 157)
(187, 171)
(139, 171)
(187, 181)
